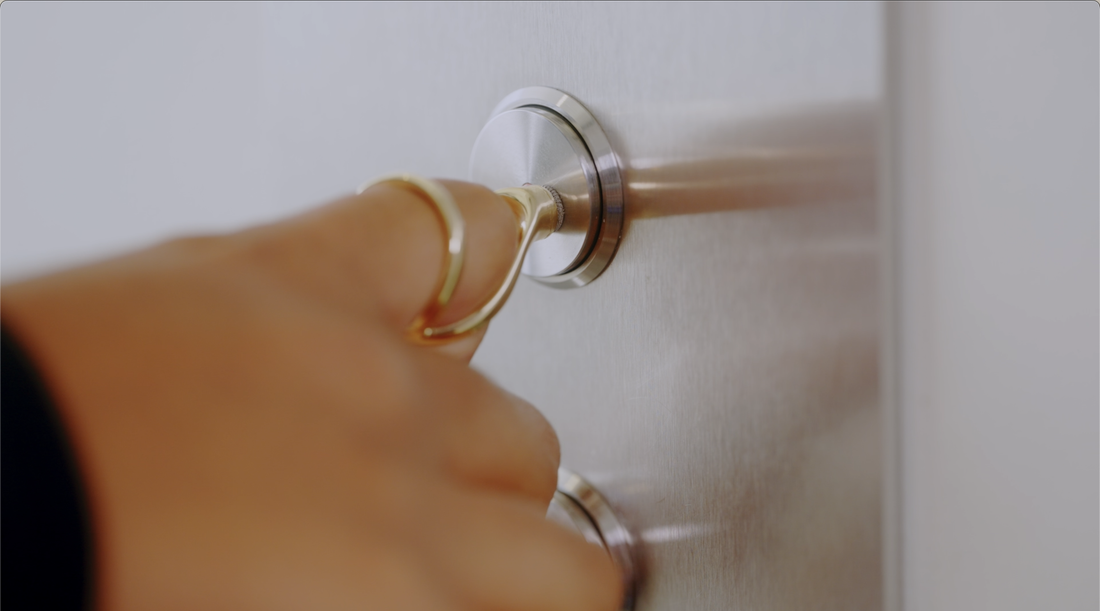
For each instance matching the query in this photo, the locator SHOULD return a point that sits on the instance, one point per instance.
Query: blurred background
(847, 354)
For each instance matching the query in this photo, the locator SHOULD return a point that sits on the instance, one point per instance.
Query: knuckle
(386, 389)
(501, 441)
(543, 446)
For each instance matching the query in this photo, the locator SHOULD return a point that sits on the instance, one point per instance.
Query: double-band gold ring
(454, 229)
(538, 210)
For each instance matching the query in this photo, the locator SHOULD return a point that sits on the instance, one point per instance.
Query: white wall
(994, 365)
(125, 123)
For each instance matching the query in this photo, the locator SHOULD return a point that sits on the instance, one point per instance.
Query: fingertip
(597, 585)
(538, 422)
(505, 554)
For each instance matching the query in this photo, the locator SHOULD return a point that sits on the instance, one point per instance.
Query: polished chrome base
(579, 506)
(543, 136)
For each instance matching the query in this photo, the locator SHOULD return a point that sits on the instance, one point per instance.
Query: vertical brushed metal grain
(718, 382)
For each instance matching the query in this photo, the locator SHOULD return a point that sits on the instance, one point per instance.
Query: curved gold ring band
(539, 212)
(455, 229)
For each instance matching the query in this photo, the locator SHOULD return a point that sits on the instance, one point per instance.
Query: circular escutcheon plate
(577, 505)
(542, 136)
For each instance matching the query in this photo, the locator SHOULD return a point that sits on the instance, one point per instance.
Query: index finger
(380, 253)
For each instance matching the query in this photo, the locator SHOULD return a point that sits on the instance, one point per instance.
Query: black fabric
(45, 560)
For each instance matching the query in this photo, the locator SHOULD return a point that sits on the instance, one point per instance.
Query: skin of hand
(255, 432)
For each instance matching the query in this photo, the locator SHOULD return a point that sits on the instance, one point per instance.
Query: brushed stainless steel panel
(718, 382)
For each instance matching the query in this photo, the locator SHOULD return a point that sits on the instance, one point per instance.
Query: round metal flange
(579, 506)
(543, 136)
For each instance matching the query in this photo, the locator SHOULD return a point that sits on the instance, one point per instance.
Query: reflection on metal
(579, 506)
(804, 156)
(543, 136)
(675, 532)
(720, 381)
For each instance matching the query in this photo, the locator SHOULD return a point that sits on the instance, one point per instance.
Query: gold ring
(455, 229)
(538, 211)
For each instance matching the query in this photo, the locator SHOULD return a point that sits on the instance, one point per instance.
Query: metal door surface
(718, 382)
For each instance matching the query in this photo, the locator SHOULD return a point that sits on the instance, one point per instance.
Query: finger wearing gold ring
(454, 229)
(538, 210)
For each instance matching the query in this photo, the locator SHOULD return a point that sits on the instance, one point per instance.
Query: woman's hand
(255, 432)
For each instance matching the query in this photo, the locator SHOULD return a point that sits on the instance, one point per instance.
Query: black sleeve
(45, 560)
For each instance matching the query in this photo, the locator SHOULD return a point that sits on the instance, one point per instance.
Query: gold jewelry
(539, 211)
(455, 229)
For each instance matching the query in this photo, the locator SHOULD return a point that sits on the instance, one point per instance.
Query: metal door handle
(544, 136)
(580, 507)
